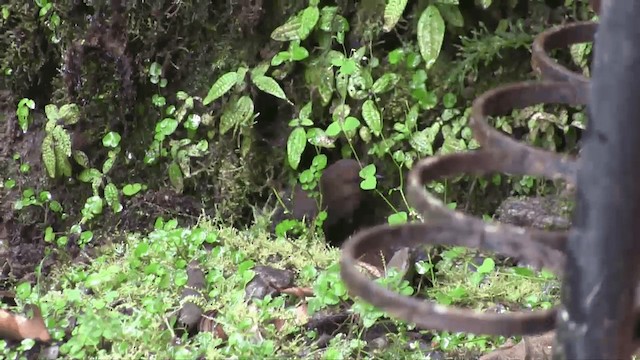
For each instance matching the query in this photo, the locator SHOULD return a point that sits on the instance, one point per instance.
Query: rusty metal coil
(561, 37)
(499, 154)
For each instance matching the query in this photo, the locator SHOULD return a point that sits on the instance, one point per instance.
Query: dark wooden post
(596, 321)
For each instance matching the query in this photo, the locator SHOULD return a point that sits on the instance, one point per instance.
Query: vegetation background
(139, 136)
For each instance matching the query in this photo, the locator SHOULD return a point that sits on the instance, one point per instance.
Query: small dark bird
(342, 198)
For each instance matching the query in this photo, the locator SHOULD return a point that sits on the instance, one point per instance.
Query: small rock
(435, 355)
(550, 212)
(268, 281)
(378, 343)
(50, 352)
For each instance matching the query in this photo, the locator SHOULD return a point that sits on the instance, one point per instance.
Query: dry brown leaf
(302, 314)
(531, 347)
(296, 291)
(208, 323)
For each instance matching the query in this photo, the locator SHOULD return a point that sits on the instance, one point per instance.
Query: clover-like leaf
(369, 183)
(398, 218)
(166, 127)
(131, 189)
(88, 175)
(368, 171)
(111, 139)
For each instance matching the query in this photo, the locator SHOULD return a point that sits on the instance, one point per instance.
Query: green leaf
(422, 142)
(298, 53)
(23, 291)
(488, 265)
(259, 70)
(61, 140)
(365, 134)
(166, 127)
(193, 122)
(348, 66)
(236, 114)
(359, 84)
(350, 124)
(221, 87)
(368, 171)
(398, 218)
(430, 34)
(198, 149)
(333, 129)
(28, 103)
(449, 100)
(319, 161)
(319, 137)
(486, 3)
(319, 75)
(280, 57)
(368, 183)
(270, 86)
(109, 162)
(88, 175)
(111, 195)
(305, 112)
(412, 117)
(295, 146)
(289, 31)
(49, 236)
(52, 112)
(327, 16)
(341, 112)
(184, 162)
(396, 56)
(175, 176)
(392, 13)
(111, 139)
(49, 156)
(94, 205)
(81, 158)
(70, 113)
(451, 13)
(131, 189)
(385, 83)
(308, 20)
(372, 116)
